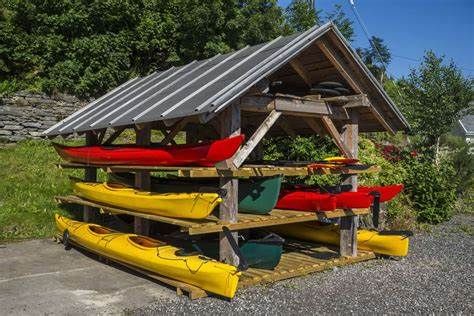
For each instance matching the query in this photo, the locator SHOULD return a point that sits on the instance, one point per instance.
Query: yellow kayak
(153, 255)
(181, 205)
(391, 245)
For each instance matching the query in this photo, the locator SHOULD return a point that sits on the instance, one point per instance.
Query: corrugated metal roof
(200, 87)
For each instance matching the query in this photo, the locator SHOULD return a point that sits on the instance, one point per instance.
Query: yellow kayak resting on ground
(391, 245)
(152, 255)
(181, 205)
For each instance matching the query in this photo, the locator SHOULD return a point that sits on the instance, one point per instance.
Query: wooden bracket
(114, 136)
(299, 68)
(257, 136)
(174, 131)
(336, 137)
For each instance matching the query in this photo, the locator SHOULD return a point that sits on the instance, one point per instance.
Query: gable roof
(206, 87)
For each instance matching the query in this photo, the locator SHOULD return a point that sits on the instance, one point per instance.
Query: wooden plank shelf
(212, 224)
(298, 259)
(211, 172)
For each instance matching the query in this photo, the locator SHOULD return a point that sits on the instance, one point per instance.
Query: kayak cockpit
(146, 242)
(100, 230)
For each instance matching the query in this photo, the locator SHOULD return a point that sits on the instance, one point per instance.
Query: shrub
(432, 189)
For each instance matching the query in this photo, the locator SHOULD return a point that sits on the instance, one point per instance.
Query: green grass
(29, 181)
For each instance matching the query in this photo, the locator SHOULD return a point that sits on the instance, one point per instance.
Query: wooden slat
(244, 171)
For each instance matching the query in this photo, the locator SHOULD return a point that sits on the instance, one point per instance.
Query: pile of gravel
(434, 278)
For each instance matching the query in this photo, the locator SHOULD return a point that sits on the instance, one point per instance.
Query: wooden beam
(348, 224)
(142, 180)
(90, 214)
(243, 153)
(174, 131)
(299, 68)
(336, 137)
(339, 64)
(290, 105)
(228, 209)
(114, 136)
(357, 100)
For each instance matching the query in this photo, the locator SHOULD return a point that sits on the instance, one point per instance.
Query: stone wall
(25, 115)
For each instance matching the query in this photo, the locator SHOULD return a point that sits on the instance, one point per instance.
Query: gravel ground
(434, 278)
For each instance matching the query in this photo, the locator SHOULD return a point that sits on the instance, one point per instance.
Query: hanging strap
(243, 265)
(376, 208)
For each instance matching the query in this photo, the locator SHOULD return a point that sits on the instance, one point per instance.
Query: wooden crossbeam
(256, 138)
(336, 137)
(290, 105)
(299, 68)
(174, 131)
(339, 64)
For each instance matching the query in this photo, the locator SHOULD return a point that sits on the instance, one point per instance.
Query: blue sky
(411, 27)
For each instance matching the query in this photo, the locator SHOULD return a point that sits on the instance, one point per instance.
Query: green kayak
(256, 195)
(261, 253)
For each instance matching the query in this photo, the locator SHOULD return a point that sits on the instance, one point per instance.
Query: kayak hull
(153, 255)
(390, 245)
(202, 154)
(180, 205)
(256, 195)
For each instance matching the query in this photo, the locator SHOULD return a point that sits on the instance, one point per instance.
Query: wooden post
(90, 174)
(142, 179)
(230, 126)
(348, 224)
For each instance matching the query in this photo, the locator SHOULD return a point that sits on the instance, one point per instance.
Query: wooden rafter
(299, 68)
(256, 138)
(332, 130)
(339, 64)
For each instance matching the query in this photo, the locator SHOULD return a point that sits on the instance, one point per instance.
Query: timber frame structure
(259, 91)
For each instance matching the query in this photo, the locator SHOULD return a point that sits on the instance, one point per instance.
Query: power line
(369, 38)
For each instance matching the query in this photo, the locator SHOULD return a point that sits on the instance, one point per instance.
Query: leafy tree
(433, 97)
(343, 23)
(301, 15)
(376, 57)
(87, 47)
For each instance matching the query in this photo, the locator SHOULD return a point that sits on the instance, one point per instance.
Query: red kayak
(201, 154)
(387, 192)
(306, 200)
